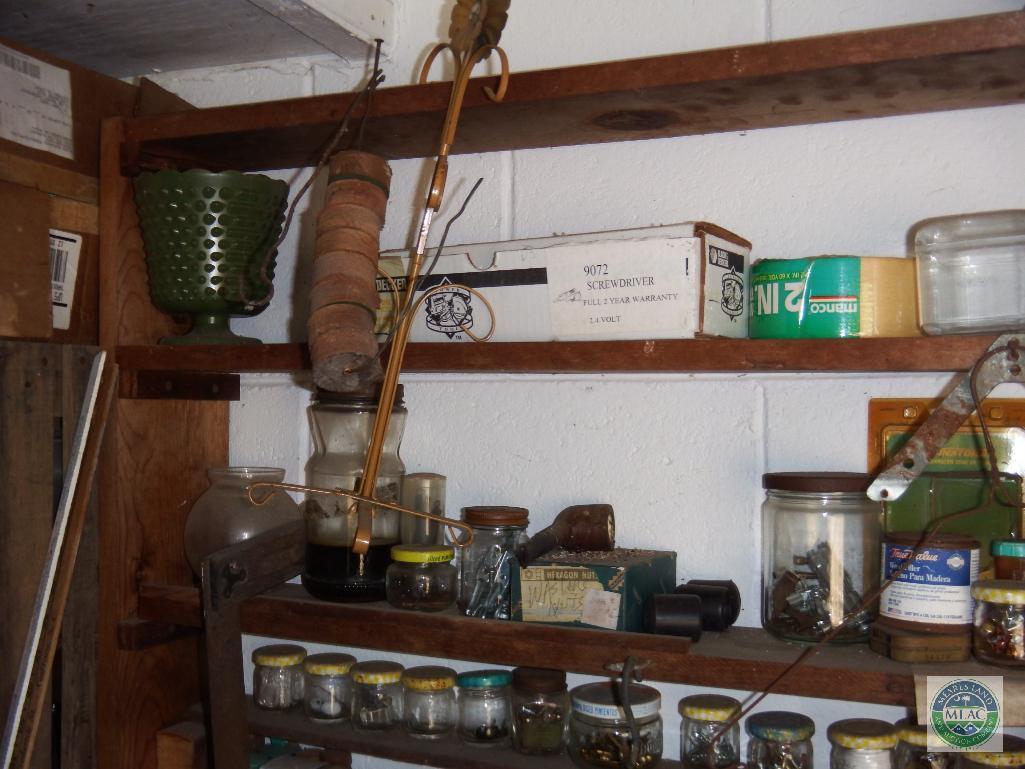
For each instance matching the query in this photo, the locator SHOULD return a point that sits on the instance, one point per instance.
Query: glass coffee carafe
(341, 427)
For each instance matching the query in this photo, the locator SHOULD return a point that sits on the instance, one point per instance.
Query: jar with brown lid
(540, 717)
(932, 593)
(484, 583)
(820, 535)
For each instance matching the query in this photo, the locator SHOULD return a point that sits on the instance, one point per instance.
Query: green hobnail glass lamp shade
(206, 236)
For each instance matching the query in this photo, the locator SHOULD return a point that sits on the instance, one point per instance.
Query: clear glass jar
(913, 749)
(862, 743)
(484, 706)
(484, 589)
(998, 636)
(429, 701)
(971, 272)
(540, 710)
(223, 515)
(703, 717)
(1008, 558)
(780, 740)
(377, 694)
(1013, 754)
(327, 694)
(599, 734)
(421, 577)
(341, 426)
(424, 492)
(278, 676)
(815, 528)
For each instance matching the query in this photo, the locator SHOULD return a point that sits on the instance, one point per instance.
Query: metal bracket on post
(229, 577)
(1001, 363)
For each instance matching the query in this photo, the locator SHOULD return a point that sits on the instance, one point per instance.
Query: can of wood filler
(933, 594)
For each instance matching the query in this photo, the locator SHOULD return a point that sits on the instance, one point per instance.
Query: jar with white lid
(820, 555)
(779, 739)
(278, 676)
(377, 694)
(971, 272)
(703, 717)
(913, 749)
(1013, 754)
(862, 743)
(484, 707)
(599, 733)
(327, 693)
(999, 628)
(429, 701)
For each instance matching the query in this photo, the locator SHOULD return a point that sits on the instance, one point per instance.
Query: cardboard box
(595, 589)
(672, 282)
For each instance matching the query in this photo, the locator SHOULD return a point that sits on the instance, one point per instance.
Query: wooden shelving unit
(158, 450)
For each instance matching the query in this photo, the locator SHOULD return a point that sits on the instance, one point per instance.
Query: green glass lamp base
(208, 328)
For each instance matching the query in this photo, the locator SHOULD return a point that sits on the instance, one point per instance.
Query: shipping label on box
(671, 282)
(597, 589)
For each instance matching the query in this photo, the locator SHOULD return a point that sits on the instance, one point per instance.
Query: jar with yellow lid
(704, 716)
(780, 739)
(1013, 754)
(429, 701)
(327, 694)
(421, 577)
(999, 634)
(278, 676)
(913, 749)
(862, 743)
(377, 694)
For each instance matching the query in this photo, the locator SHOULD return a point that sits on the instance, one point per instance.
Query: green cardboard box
(593, 589)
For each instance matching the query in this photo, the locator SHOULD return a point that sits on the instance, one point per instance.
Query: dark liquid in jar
(332, 573)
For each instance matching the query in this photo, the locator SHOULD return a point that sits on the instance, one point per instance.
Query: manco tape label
(817, 298)
(935, 588)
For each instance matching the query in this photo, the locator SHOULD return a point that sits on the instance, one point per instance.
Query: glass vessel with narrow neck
(342, 426)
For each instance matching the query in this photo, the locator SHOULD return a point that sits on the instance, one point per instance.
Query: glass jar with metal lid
(999, 629)
(1008, 558)
(600, 736)
(1013, 754)
(484, 708)
(429, 701)
(497, 531)
(780, 740)
(862, 743)
(327, 694)
(820, 557)
(377, 694)
(540, 705)
(913, 749)
(704, 716)
(421, 577)
(278, 676)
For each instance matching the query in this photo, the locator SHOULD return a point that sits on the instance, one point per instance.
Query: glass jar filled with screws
(862, 743)
(484, 706)
(327, 694)
(484, 589)
(779, 740)
(913, 749)
(704, 717)
(600, 736)
(278, 676)
(429, 701)
(377, 694)
(821, 554)
(421, 577)
(999, 635)
(540, 703)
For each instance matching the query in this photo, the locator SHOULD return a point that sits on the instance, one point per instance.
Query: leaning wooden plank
(40, 646)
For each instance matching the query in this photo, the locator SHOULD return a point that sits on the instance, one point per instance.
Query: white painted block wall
(679, 456)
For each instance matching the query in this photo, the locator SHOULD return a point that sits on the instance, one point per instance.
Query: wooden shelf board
(397, 746)
(746, 659)
(947, 353)
(954, 64)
